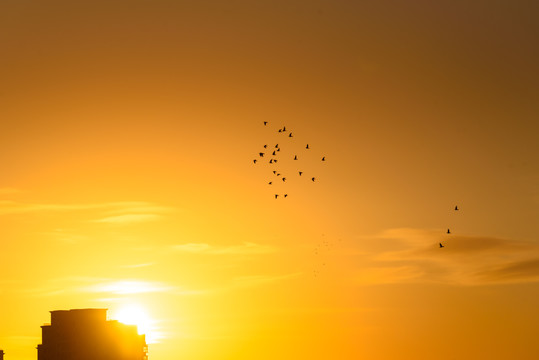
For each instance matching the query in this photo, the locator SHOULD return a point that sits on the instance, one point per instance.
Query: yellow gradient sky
(128, 131)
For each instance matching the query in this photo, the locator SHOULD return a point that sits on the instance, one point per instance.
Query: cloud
(252, 280)
(9, 190)
(412, 255)
(110, 208)
(247, 248)
(128, 218)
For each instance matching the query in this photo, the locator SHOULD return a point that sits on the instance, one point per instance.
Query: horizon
(128, 181)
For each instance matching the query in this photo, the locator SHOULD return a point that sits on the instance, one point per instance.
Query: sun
(134, 315)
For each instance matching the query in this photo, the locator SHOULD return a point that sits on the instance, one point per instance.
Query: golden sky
(127, 138)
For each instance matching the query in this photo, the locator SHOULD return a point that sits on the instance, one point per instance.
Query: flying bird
(306, 147)
(274, 171)
(254, 161)
(278, 149)
(312, 179)
(278, 174)
(274, 160)
(270, 182)
(284, 179)
(280, 130)
(261, 154)
(324, 158)
(295, 157)
(276, 146)
(276, 196)
(271, 161)
(285, 195)
(284, 128)
(265, 123)
(456, 207)
(290, 135)
(265, 146)
(301, 172)
(441, 246)
(449, 232)
(273, 153)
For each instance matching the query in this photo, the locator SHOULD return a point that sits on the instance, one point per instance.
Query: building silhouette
(1, 354)
(84, 334)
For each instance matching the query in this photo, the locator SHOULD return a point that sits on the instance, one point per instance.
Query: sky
(128, 131)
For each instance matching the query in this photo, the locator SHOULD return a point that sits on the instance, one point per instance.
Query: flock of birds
(271, 156)
(448, 230)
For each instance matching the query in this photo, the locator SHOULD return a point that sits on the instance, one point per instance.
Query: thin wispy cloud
(247, 248)
(413, 255)
(109, 208)
(9, 190)
(128, 218)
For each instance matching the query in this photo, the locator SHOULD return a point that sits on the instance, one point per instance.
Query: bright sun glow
(135, 315)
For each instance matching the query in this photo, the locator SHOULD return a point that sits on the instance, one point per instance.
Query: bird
(274, 171)
(312, 179)
(278, 149)
(265, 146)
(456, 207)
(271, 161)
(306, 147)
(284, 179)
(280, 130)
(324, 158)
(285, 195)
(276, 196)
(278, 174)
(284, 128)
(265, 123)
(273, 153)
(449, 232)
(301, 172)
(261, 154)
(276, 146)
(274, 160)
(270, 182)
(295, 157)
(290, 135)
(441, 246)
(254, 161)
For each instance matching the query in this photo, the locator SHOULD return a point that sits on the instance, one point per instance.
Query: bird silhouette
(275, 172)
(274, 160)
(265, 123)
(284, 179)
(271, 161)
(254, 161)
(301, 172)
(270, 183)
(312, 179)
(285, 195)
(276, 146)
(306, 147)
(261, 154)
(449, 232)
(441, 246)
(265, 146)
(280, 130)
(290, 135)
(295, 157)
(284, 128)
(324, 158)
(273, 153)
(278, 174)
(278, 149)
(456, 207)
(276, 196)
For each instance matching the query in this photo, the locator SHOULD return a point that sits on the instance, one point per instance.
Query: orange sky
(128, 130)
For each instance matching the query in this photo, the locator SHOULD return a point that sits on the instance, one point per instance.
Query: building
(1, 354)
(84, 334)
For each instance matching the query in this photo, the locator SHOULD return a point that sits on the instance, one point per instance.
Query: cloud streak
(247, 248)
(412, 255)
